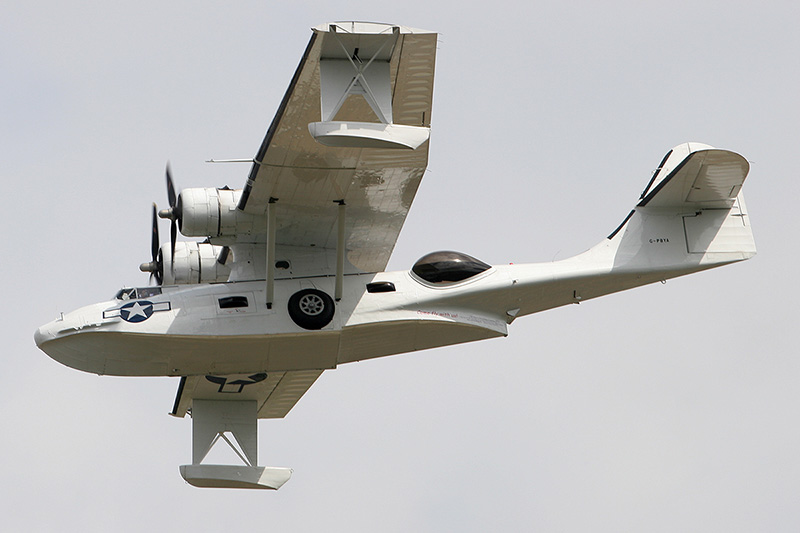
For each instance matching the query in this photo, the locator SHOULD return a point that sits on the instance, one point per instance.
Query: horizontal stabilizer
(694, 174)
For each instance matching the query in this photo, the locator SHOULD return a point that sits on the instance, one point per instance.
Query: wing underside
(306, 180)
(275, 393)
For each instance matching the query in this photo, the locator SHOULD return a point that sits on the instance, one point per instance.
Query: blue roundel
(137, 311)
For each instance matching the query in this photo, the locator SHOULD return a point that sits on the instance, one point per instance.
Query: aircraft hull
(142, 354)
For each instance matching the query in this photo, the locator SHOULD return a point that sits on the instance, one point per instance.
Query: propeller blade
(173, 235)
(170, 189)
(154, 249)
(173, 213)
(155, 243)
(156, 265)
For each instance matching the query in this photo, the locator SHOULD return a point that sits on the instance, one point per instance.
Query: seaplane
(287, 277)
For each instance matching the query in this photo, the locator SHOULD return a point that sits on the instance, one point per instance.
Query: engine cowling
(209, 212)
(195, 262)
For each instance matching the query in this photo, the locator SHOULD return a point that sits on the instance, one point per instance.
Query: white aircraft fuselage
(185, 331)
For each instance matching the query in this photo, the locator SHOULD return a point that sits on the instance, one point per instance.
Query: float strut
(211, 420)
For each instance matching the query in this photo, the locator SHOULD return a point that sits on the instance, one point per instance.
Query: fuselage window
(448, 267)
(380, 286)
(232, 302)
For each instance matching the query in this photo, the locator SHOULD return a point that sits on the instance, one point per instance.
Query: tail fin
(690, 217)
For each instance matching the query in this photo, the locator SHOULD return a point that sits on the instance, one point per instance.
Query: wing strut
(271, 251)
(340, 251)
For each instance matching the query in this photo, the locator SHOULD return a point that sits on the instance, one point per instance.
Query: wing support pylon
(212, 420)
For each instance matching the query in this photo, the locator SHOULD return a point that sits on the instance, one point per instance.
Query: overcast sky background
(666, 408)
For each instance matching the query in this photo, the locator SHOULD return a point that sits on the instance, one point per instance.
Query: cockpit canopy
(134, 293)
(448, 267)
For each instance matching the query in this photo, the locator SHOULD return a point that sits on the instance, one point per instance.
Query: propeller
(173, 214)
(156, 266)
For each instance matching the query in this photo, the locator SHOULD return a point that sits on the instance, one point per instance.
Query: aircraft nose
(44, 333)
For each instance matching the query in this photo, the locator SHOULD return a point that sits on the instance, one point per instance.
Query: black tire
(311, 309)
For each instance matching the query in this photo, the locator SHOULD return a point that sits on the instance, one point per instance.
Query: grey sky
(666, 408)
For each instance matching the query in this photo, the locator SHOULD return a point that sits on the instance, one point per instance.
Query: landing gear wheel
(311, 309)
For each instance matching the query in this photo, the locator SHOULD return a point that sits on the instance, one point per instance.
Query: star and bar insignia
(137, 311)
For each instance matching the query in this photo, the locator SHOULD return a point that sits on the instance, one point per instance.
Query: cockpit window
(147, 292)
(126, 294)
(448, 267)
(142, 292)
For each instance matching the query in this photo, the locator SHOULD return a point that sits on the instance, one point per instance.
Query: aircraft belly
(370, 340)
(138, 354)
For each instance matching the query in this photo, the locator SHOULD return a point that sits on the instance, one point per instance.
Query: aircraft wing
(345, 132)
(275, 393)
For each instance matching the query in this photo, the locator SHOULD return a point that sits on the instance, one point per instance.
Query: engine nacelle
(194, 262)
(211, 212)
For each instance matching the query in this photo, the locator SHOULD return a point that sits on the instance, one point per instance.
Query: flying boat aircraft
(290, 278)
